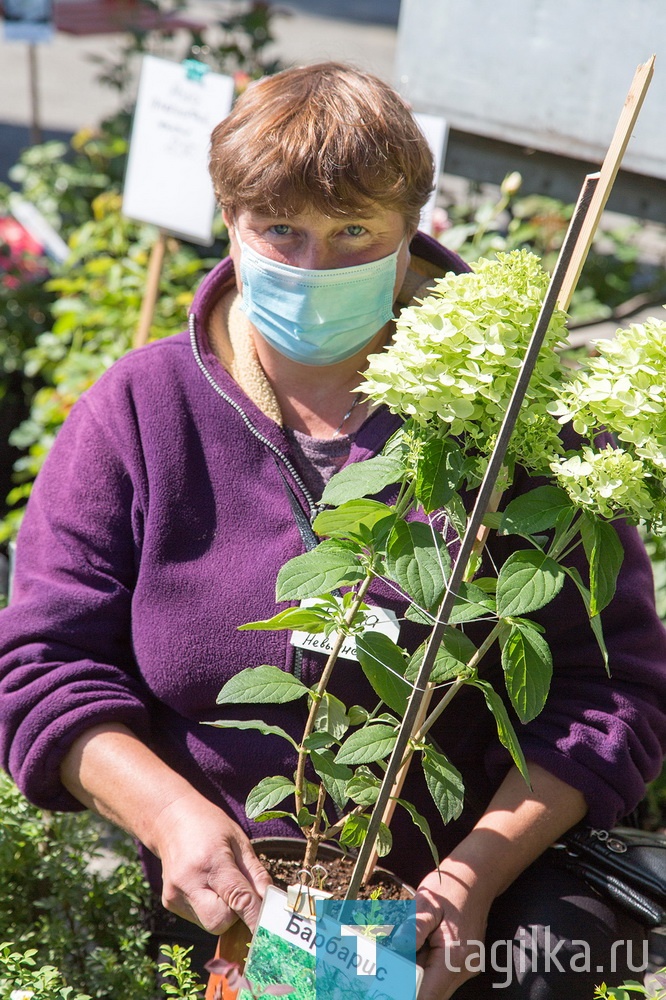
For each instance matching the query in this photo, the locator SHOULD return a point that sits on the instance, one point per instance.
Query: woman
(177, 489)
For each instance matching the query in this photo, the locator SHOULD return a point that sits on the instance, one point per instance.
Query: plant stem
(321, 688)
(404, 500)
(560, 544)
(313, 835)
(420, 730)
(458, 683)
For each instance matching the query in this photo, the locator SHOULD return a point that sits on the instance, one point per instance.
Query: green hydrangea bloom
(609, 482)
(454, 359)
(623, 389)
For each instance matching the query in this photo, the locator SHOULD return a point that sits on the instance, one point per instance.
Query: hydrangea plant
(449, 372)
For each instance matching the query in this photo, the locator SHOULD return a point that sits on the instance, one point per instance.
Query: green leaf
(358, 715)
(362, 479)
(363, 787)
(527, 581)
(261, 686)
(472, 603)
(274, 814)
(268, 793)
(304, 619)
(457, 515)
(605, 554)
(381, 660)
(444, 782)
(423, 826)
(329, 566)
(253, 724)
(418, 561)
(305, 818)
(384, 840)
(420, 615)
(333, 774)
(331, 716)
(595, 620)
(354, 519)
(505, 730)
(454, 653)
(310, 791)
(365, 745)
(438, 473)
(319, 741)
(528, 669)
(355, 829)
(535, 511)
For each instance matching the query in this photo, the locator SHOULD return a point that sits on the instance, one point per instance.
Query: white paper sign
(374, 620)
(167, 182)
(436, 130)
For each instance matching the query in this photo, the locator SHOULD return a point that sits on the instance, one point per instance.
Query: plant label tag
(320, 957)
(375, 619)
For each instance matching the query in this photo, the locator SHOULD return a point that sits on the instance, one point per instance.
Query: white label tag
(375, 620)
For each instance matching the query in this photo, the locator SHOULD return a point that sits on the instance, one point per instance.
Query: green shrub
(74, 898)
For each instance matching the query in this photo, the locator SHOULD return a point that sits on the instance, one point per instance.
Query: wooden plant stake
(152, 288)
(607, 175)
(562, 284)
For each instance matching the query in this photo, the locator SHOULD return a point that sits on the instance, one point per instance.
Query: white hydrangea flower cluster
(621, 389)
(455, 358)
(606, 482)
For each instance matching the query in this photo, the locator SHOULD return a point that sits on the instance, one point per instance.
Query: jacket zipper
(313, 506)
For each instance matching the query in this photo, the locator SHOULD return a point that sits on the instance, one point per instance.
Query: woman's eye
(354, 230)
(281, 229)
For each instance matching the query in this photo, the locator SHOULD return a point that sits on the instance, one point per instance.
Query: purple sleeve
(66, 660)
(605, 736)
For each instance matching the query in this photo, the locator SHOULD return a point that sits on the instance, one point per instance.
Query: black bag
(626, 865)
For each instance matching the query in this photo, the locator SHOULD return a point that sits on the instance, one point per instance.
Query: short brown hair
(327, 137)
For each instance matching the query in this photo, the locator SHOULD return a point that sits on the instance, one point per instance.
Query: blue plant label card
(366, 949)
(361, 949)
(375, 619)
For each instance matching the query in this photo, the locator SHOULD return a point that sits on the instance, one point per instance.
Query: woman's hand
(452, 904)
(210, 872)
(451, 914)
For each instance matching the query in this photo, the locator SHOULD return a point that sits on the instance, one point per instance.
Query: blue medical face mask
(317, 317)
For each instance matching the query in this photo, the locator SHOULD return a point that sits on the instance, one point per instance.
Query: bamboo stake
(467, 545)
(152, 288)
(592, 199)
(607, 175)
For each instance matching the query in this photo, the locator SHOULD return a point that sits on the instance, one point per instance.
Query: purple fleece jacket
(158, 526)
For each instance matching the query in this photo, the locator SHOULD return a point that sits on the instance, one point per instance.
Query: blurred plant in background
(73, 915)
(69, 905)
(616, 279)
(57, 336)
